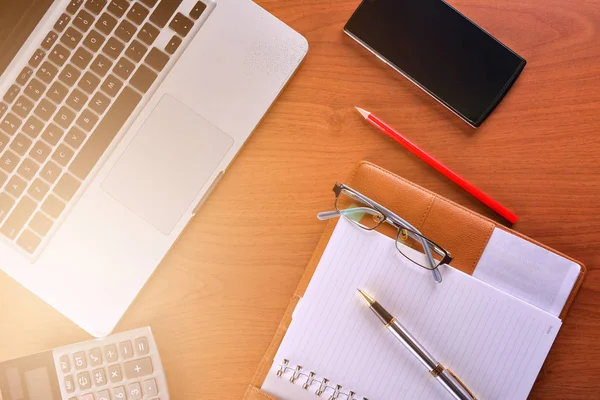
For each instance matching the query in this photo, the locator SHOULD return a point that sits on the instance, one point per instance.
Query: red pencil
(447, 172)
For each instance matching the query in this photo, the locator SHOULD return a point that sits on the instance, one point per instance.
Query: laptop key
(27, 169)
(24, 76)
(83, 21)
(125, 31)
(143, 78)
(50, 172)
(197, 10)
(62, 155)
(59, 55)
(95, 6)
(94, 41)
(124, 68)
(105, 132)
(77, 100)
(118, 7)
(49, 40)
(87, 120)
(22, 107)
(62, 23)
(64, 117)
(45, 110)
(111, 85)
(21, 144)
(47, 72)
(53, 206)
(67, 187)
(173, 44)
(29, 241)
(148, 34)
(9, 161)
(52, 134)
(113, 48)
(89, 82)
(137, 14)
(18, 217)
(10, 124)
(57, 92)
(82, 58)
(99, 103)
(38, 189)
(3, 143)
(11, 94)
(181, 24)
(157, 59)
(75, 137)
(164, 11)
(71, 38)
(16, 186)
(6, 203)
(106, 23)
(37, 58)
(73, 6)
(150, 3)
(69, 75)
(41, 224)
(136, 51)
(35, 89)
(101, 65)
(33, 127)
(40, 152)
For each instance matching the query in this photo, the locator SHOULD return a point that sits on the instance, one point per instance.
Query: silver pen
(452, 384)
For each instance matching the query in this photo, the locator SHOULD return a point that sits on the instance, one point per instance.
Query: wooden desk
(217, 298)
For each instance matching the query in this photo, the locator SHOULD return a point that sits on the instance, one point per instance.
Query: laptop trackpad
(167, 163)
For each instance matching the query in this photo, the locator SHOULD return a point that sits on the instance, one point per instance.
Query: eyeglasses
(369, 215)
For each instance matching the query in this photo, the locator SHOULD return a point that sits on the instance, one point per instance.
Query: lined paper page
(494, 342)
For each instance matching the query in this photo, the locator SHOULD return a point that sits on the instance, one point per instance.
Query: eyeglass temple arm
(333, 214)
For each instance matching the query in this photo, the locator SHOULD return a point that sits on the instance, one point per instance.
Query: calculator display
(29, 378)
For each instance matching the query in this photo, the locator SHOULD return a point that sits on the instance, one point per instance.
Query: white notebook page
(494, 342)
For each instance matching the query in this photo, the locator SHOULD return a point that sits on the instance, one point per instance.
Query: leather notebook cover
(463, 232)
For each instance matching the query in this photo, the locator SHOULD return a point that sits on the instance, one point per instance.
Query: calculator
(124, 366)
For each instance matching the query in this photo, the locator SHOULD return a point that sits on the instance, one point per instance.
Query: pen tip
(368, 298)
(362, 112)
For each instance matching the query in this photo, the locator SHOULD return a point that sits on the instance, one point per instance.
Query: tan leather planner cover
(463, 232)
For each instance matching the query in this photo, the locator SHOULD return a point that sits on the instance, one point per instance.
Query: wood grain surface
(217, 298)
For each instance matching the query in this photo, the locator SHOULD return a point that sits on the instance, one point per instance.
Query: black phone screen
(440, 50)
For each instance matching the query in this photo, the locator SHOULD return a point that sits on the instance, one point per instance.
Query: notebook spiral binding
(309, 382)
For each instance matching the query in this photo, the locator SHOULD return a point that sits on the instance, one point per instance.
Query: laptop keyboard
(100, 61)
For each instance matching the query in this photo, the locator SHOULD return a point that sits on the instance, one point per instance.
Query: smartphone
(441, 51)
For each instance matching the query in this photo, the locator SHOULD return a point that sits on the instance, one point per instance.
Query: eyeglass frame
(397, 222)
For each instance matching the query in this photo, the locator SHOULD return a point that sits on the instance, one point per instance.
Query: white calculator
(124, 366)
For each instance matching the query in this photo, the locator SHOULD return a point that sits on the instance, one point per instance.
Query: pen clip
(461, 384)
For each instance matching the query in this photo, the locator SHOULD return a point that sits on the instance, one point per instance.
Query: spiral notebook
(336, 348)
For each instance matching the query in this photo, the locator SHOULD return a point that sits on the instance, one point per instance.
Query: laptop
(117, 119)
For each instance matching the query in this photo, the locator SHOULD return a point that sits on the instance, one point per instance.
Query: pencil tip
(368, 298)
(362, 112)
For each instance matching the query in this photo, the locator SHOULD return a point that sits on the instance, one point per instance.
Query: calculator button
(103, 395)
(119, 393)
(65, 365)
(69, 384)
(141, 346)
(150, 388)
(138, 368)
(95, 357)
(79, 358)
(126, 349)
(84, 381)
(114, 373)
(99, 377)
(135, 391)
(89, 396)
(110, 352)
